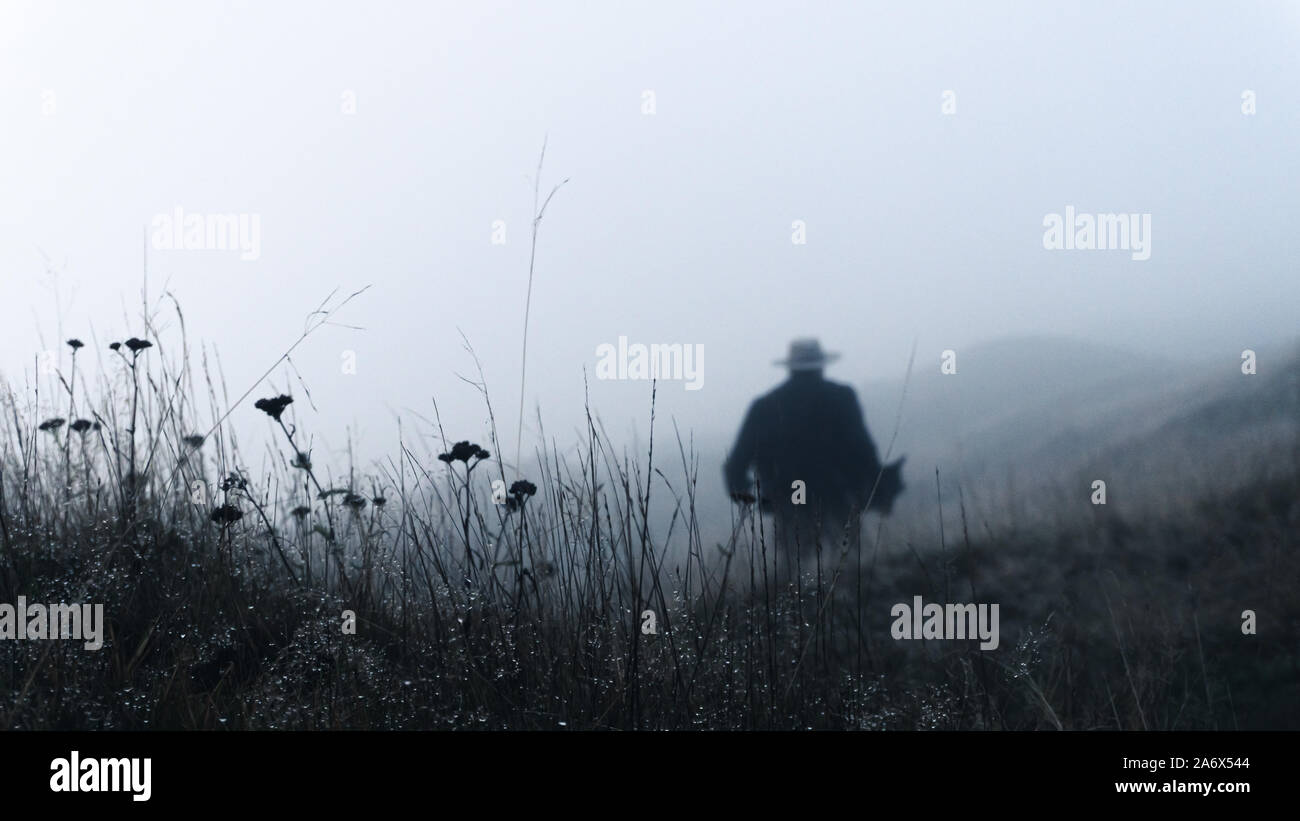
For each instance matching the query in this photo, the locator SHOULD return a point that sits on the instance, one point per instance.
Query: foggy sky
(674, 227)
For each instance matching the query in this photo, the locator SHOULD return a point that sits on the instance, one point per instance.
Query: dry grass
(527, 614)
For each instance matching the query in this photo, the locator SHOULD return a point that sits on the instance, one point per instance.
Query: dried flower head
(52, 424)
(81, 425)
(226, 515)
(520, 491)
(234, 481)
(193, 440)
(463, 452)
(75, 343)
(137, 345)
(275, 406)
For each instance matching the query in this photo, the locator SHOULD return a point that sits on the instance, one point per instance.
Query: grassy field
(520, 606)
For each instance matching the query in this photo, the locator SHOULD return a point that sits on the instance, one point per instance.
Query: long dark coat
(810, 429)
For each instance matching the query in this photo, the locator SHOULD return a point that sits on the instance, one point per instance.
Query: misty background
(923, 228)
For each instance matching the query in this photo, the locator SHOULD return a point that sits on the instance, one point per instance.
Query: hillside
(1036, 417)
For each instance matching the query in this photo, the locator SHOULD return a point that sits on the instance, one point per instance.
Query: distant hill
(1027, 416)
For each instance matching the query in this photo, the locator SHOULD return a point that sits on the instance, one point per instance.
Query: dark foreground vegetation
(224, 592)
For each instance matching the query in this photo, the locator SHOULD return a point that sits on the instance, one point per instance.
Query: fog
(916, 149)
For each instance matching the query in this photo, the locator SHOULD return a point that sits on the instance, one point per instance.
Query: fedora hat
(807, 355)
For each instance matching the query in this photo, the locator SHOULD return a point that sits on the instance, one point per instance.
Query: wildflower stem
(538, 213)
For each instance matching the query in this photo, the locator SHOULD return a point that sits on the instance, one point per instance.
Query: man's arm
(736, 469)
(862, 460)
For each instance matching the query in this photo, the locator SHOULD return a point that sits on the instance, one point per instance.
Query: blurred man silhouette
(810, 430)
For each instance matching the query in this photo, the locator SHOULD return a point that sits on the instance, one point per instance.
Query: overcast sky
(377, 143)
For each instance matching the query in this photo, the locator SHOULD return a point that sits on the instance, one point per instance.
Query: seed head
(463, 452)
(275, 406)
(226, 515)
